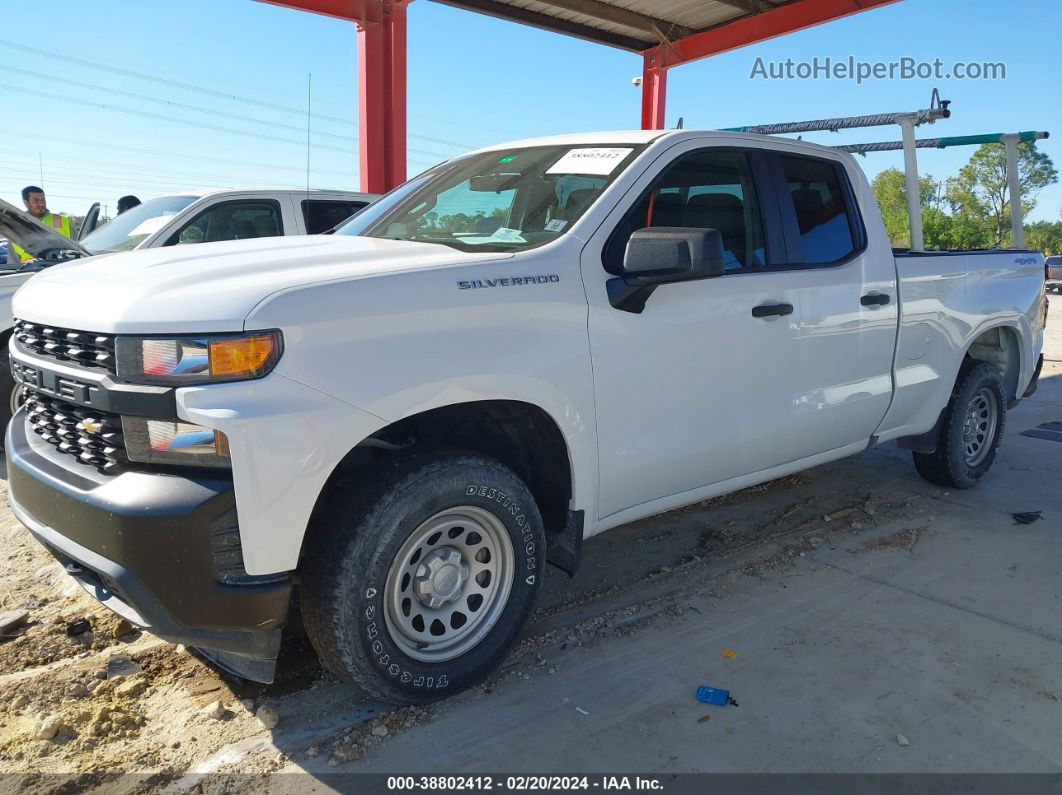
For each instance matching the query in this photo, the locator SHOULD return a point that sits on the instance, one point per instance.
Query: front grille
(93, 437)
(85, 348)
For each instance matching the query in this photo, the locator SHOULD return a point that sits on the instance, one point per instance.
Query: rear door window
(321, 215)
(826, 223)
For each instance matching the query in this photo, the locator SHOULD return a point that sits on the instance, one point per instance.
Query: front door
(696, 389)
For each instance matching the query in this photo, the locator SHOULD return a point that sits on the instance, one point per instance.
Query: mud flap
(924, 442)
(257, 669)
(566, 547)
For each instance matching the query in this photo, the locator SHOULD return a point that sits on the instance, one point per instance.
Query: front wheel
(972, 429)
(416, 584)
(10, 392)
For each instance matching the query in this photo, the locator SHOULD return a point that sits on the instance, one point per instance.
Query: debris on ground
(704, 718)
(11, 620)
(130, 688)
(1028, 517)
(120, 665)
(582, 711)
(215, 710)
(78, 627)
(268, 716)
(730, 654)
(901, 740)
(121, 628)
(47, 728)
(713, 695)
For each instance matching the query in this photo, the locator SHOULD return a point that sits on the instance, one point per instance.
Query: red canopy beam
(381, 26)
(731, 36)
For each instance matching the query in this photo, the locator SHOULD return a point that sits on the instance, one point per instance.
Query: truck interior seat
(266, 226)
(667, 210)
(810, 209)
(722, 211)
(241, 230)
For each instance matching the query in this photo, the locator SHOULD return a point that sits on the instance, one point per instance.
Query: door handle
(875, 299)
(770, 310)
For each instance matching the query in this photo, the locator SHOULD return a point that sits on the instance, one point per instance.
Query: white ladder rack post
(1009, 140)
(1017, 225)
(910, 170)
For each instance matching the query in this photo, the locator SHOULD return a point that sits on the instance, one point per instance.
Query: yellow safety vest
(57, 221)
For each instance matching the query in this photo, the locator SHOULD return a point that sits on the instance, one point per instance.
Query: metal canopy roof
(628, 24)
(666, 33)
(635, 25)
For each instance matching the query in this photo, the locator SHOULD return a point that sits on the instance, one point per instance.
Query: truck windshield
(133, 227)
(503, 200)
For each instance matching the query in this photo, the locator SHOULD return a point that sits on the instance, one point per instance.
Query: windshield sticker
(506, 235)
(150, 226)
(508, 159)
(556, 225)
(601, 161)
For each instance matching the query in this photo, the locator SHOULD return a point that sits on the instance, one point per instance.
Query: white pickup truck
(403, 422)
(165, 221)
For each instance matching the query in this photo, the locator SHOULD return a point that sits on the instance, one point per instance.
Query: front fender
(285, 440)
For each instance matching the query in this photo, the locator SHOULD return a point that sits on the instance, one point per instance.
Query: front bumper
(156, 548)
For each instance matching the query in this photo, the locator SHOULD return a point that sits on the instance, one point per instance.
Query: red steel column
(654, 90)
(382, 95)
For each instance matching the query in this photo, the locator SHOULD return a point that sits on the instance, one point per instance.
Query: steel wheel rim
(462, 556)
(979, 426)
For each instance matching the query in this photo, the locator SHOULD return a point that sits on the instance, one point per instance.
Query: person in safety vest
(37, 206)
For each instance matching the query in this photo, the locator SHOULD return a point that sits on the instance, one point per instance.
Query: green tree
(1045, 236)
(890, 189)
(981, 192)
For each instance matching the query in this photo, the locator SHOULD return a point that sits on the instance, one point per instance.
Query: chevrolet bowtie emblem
(91, 426)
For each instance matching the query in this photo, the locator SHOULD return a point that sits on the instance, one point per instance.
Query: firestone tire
(973, 427)
(426, 535)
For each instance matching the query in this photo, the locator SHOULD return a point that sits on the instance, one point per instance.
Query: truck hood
(211, 287)
(30, 234)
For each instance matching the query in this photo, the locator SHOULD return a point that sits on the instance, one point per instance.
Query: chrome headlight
(174, 442)
(197, 360)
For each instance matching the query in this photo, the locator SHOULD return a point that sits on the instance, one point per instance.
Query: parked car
(165, 221)
(1053, 272)
(518, 349)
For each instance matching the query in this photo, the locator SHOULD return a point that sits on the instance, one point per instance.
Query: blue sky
(473, 80)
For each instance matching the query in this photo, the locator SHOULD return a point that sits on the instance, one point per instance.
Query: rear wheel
(417, 584)
(972, 429)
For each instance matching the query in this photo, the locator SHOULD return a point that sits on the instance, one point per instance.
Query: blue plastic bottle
(712, 695)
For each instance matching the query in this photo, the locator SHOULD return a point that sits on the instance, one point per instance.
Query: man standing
(37, 206)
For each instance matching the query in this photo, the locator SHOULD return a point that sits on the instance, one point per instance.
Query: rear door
(843, 385)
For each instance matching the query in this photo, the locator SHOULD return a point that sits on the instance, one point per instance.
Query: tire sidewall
(983, 375)
(8, 386)
(471, 482)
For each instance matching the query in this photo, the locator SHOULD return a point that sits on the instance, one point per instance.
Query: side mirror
(663, 255)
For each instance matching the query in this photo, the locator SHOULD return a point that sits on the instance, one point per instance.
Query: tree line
(972, 210)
